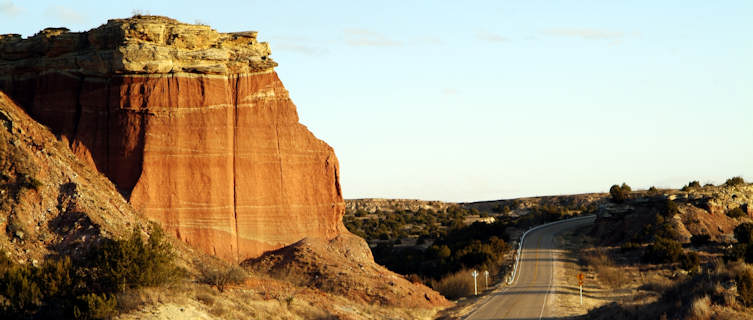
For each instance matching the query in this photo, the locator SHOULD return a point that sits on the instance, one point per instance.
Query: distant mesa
(192, 125)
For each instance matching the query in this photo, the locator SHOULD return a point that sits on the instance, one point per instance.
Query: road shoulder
(596, 292)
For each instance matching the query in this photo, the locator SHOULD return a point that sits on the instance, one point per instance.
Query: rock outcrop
(389, 205)
(193, 126)
(700, 211)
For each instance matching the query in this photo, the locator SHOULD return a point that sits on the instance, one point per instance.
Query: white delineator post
(486, 276)
(580, 285)
(474, 273)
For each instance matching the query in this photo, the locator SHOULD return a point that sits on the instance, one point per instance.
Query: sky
(482, 100)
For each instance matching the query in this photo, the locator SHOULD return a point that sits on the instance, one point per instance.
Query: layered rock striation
(193, 126)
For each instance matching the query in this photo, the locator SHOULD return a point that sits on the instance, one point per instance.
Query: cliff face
(193, 126)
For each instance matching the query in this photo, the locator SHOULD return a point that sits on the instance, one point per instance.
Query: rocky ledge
(138, 45)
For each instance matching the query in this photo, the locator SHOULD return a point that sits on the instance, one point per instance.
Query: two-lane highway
(530, 295)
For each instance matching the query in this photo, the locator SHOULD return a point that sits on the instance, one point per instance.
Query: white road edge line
(517, 261)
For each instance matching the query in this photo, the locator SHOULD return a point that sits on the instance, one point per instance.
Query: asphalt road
(530, 295)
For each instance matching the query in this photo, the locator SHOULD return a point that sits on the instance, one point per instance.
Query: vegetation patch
(86, 289)
(436, 247)
(621, 193)
(221, 278)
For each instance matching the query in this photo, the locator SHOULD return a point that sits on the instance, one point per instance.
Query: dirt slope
(50, 201)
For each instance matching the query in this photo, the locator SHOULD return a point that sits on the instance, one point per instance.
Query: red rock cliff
(192, 125)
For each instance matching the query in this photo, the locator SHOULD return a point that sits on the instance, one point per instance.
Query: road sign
(474, 273)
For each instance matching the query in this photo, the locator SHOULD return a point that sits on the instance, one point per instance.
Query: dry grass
(607, 272)
(701, 309)
(456, 285)
(655, 281)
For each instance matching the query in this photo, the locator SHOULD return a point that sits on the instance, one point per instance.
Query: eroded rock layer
(193, 126)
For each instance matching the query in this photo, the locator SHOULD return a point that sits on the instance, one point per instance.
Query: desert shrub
(630, 245)
(734, 181)
(478, 253)
(736, 252)
(744, 233)
(663, 250)
(689, 261)
(456, 285)
(28, 182)
(619, 194)
(670, 208)
(745, 287)
(95, 306)
(692, 185)
(740, 251)
(222, 278)
(700, 239)
(661, 228)
(736, 213)
(60, 288)
(501, 209)
(21, 291)
(58, 277)
(361, 213)
(442, 252)
(132, 263)
(26, 288)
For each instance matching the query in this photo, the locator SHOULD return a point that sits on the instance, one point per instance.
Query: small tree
(692, 185)
(744, 233)
(671, 208)
(617, 193)
(443, 252)
(131, 263)
(689, 261)
(735, 181)
(663, 250)
(700, 239)
(222, 278)
(736, 213)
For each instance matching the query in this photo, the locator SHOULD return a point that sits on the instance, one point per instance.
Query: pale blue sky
(477, 100)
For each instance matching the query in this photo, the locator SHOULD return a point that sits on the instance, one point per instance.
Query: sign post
(580, 284)
(486, 276)
(474, 273)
